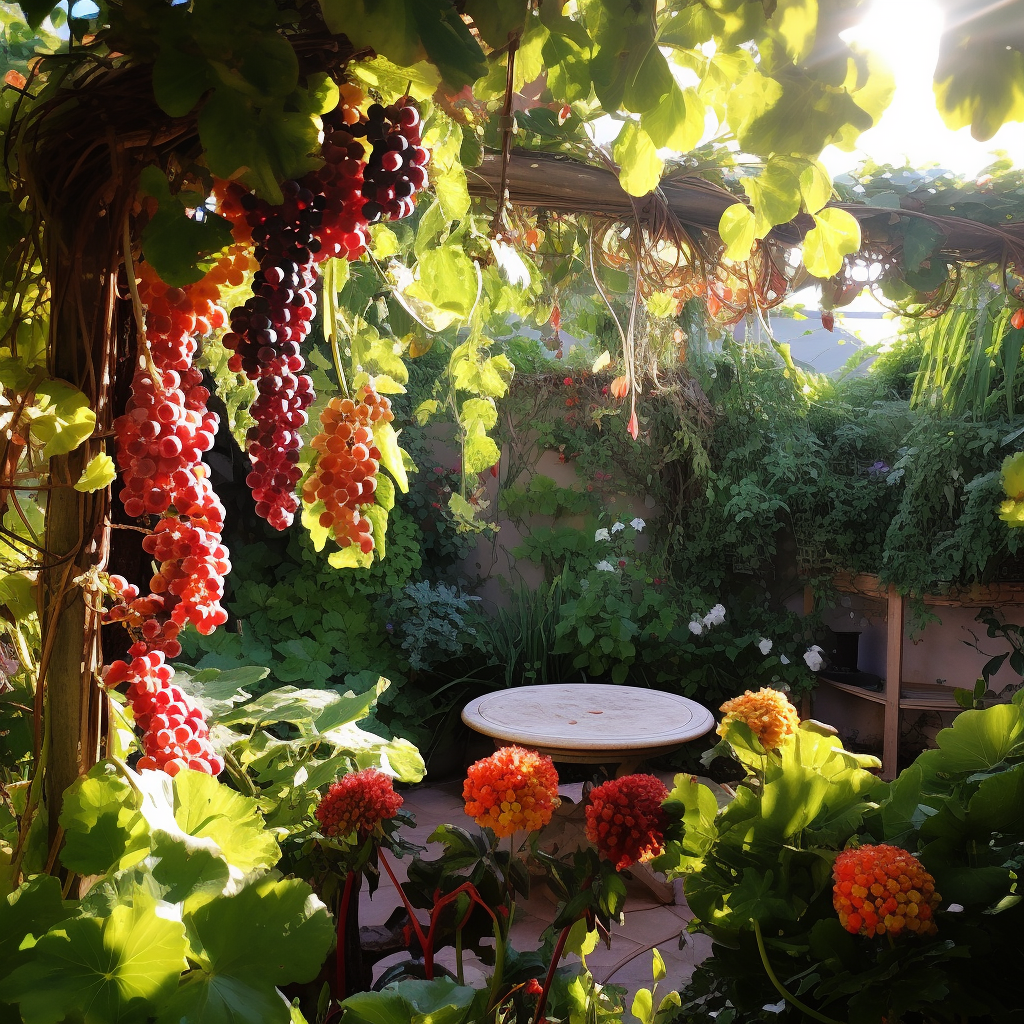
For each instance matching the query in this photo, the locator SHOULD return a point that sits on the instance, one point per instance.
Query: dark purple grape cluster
(396, 168)
(265, 336)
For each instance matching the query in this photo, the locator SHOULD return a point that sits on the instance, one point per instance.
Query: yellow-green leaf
(386, 440)
(603, 360)
(640, 166)
(658, 967)
(737, 231)
(835, 234)
(677, 122)
(98, 474)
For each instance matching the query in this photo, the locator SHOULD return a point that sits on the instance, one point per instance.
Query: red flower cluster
(881, 889)
(625, 819)
(513, 790)
(357, 802)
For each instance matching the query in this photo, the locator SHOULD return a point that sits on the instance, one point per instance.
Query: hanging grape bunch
(396, 168)
(345, 475)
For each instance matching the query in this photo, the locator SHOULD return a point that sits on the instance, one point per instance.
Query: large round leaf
(113, 970)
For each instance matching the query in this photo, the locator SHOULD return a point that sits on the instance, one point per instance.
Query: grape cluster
(396, 168)
(345, 475)
(342, 232)
(174, 732)
(264, 338)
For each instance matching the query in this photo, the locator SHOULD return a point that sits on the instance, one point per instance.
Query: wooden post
(805, 700)
(893, 683)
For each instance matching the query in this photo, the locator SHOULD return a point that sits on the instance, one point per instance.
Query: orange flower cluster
(883, 889)
(358, 802)
(513, 790)
(625, 819)
(768, 714)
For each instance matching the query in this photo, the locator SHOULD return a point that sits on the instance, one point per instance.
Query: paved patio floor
(648, 923)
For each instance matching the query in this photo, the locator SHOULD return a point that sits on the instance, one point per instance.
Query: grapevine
(167, 426)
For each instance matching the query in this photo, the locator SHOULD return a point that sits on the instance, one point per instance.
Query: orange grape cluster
(883, 889)
(513, 790)
(767, 713)
(344, 478)
(357, 802)
(625, 819)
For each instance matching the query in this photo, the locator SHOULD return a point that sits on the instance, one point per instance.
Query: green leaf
(442, 1001)
(677, 121)
(978, 741)
(36, 11)
(795, 23)
(406, 31)
(113, 970)
(101, 472)
(386, 439)
(447, 280)
(658, 969)
(271, 933)
(64, 419)
(815, 186)
(103, 827)
(31, 910)
(263, 146)
(173, 242)
(206, 809)
(640, 166)
(737, 229)
(835, 234)
(979, 83)
(775, 196)
(267, 61)
(378, 516)
(179, 80)
(921, 241)
(497, 19)
(428, 408)
(17, 593)
(643, 1006)
(385, 493)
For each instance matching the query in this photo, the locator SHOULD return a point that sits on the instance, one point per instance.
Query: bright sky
(906, 34)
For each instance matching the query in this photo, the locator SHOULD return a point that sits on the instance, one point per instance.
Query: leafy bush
(758, 877)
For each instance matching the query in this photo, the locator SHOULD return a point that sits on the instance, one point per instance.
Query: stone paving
(648, 923)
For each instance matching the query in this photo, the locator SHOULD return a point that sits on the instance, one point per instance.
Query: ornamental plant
(819, 883)
(767, 713)
(513, 790)
(358, 802)
(625, 819)
(882, 890)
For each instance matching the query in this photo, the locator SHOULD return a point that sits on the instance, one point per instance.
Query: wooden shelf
(975, 596)
(908, 696)
(913, 696)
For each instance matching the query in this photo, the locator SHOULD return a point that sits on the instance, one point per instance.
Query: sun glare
(906, 34)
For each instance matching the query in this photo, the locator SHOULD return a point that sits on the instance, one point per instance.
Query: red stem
(340, 992)
(556, 956)
(411, 913)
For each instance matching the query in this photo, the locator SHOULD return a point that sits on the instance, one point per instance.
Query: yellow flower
(767, 713)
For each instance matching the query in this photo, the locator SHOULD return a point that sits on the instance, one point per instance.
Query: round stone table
(589, 723)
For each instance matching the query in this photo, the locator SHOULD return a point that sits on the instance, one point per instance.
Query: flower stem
(780, 988)
(340, 989)
(429, 970)
(542, 999)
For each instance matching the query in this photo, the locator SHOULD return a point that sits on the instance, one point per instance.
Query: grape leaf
(835, 234)
(737, 229)
(99, 473)
(640, 166)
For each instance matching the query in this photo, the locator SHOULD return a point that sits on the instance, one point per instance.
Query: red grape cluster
(396, 168)
(345, 475)
(264, 337)
(342, 232)
(161, 437)
(174, 732)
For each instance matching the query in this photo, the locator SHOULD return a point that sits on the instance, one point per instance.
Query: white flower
(601, 534)
(775, 1007)
(764, 646)
(716, 616)
(638, 525)
(605, 566)
(954, 908)
(696, 628)
(813, 658)
(783, 659)
(617, 526)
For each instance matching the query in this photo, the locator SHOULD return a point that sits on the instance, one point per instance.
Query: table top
(588, 716)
